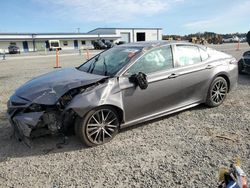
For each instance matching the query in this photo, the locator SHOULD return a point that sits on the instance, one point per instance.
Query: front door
(76, 44)
(25, 46)
(161, 92)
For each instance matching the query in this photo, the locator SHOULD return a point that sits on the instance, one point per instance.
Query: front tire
(99, 126)
(217, 92)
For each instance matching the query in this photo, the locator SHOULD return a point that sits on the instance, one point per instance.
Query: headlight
(35, 108)
(88, 88)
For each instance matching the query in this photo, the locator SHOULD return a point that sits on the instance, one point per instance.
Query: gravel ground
(180, 150)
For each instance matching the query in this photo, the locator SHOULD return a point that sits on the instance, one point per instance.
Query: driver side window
(156, 60)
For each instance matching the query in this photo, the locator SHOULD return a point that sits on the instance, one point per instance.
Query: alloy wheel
(219, 91)
(102, 126)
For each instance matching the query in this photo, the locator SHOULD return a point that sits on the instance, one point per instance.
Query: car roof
(151, 44)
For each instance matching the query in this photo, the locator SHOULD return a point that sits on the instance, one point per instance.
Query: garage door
(40, 45)
(125, 37)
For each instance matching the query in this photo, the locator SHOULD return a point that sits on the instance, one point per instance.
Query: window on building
(83, 42)
(65, 43)
(12, 43)
(141, 36)
(187, 55)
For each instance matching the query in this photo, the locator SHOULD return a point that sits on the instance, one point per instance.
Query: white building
(28, 42)
(38, 41)
(131, 34)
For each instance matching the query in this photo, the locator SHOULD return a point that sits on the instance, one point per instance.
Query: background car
(53, 45)
(120, 43)
(99, 45)
(108, 44)
(244, 63)
(123, 86)
(14, 49)
(102, 44)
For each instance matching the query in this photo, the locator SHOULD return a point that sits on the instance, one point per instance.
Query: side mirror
(139, 79)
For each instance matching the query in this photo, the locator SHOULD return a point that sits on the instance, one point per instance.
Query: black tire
(94, 131)
(217, 92)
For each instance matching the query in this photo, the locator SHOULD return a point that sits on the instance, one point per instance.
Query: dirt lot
(181, 150)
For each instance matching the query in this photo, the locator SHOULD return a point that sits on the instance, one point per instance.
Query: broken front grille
(14, 107)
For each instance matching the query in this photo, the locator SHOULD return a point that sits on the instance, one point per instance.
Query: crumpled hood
(48, 88)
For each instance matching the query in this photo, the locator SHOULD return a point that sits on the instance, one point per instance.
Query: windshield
(110, 62)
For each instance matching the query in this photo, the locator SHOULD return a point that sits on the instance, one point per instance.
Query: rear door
(193, 71)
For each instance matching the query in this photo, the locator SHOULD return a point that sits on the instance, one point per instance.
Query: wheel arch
(221, 74)
(225, 76)
(119, 111)
(227, 79)
(210, 102)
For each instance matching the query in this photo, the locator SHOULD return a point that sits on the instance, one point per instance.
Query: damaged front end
(30, 120)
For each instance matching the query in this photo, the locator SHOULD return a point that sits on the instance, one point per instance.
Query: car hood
(48, 88)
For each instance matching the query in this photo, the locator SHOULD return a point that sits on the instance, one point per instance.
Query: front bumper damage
(31, 118)
(23, 124)
(26, 122)
(27, 125)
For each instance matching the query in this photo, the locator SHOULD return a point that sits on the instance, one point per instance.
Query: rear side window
(204, 54)
(187, 55)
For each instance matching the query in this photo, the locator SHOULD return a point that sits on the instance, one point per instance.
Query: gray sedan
(120, 87)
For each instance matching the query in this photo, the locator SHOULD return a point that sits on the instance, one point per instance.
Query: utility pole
(33, 42)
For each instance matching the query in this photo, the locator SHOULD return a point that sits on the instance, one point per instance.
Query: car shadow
(49, 144)
(244, 79)
(10, 147)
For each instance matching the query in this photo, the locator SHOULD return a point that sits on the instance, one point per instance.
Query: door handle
(173, 76)
(209, 67)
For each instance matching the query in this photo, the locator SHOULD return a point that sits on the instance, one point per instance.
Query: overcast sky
(174, 16)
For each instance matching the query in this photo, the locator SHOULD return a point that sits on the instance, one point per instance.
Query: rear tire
(99, 126)
(217, 92)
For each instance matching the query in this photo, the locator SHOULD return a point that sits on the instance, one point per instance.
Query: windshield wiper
(105, 67)
(93, 65)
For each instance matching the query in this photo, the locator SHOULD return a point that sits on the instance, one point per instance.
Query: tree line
(205, 35)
